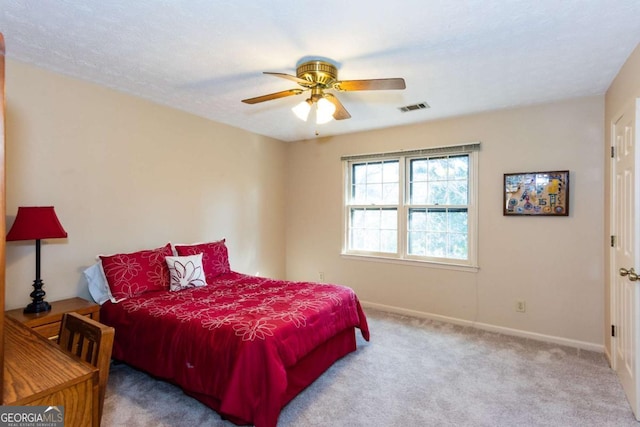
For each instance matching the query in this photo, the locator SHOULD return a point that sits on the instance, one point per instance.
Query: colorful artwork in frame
(536, 193)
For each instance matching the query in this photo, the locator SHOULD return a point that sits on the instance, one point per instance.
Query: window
(417, 205)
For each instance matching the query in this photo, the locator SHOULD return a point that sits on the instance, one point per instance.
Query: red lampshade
(34, 223)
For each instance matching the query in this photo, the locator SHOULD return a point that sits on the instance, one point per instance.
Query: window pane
(417, 220)
(391, 182)
(458, 221)
(418, 193)
(374, 172)
(418, 170)
(357, 218)
(390, 193)
(436, 244)
(458, 191)
(372, 219)
(357, 241)
(459, 167)
(390, 171)
(389, 219)
(360, 173)
(438, 169)
(359, 193)
(437, 193)
(417, 243)
(437, 220)
(374, 193)
(457, 246)
(388, 241)
(371, 240)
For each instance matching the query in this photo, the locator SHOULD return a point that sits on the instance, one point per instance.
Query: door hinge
(613, 330)
(613, 241)
(613, 152)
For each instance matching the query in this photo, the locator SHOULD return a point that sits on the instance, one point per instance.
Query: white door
(625, 257)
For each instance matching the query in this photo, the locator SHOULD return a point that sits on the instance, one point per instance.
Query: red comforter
(233, 339)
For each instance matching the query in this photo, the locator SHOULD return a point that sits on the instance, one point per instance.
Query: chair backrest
(92, 342)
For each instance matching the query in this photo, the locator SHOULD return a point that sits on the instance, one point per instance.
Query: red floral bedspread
(233, 339)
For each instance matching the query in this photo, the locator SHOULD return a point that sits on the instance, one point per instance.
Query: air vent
(414, 107)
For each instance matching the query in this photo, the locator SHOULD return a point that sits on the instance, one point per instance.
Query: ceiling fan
(318, 76)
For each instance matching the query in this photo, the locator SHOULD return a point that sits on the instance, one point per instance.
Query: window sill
(412, 262)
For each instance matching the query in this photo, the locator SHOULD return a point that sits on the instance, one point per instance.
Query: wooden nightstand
(47, 323)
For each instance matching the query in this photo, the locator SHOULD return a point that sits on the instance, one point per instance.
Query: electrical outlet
(321, 276)
(521, 306)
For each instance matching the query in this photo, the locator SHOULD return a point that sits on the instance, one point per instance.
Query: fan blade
(271, 96)
(298, 80)
(373, 84)
(341, 113)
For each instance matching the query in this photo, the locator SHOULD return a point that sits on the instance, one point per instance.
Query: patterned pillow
(185, 272)
(135, 273)
(215, 258)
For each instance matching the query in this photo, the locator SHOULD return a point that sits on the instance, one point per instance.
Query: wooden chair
(92, 342)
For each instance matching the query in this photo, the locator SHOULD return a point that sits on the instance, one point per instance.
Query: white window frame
(402, 256)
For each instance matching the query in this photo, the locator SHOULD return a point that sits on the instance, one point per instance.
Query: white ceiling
(204, 56)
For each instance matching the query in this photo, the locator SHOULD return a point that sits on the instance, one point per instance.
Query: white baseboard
(488, 327)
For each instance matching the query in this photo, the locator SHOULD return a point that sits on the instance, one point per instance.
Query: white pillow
(98, 287)
(185, 272)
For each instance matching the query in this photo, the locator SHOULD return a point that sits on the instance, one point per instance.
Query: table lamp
(36, 223)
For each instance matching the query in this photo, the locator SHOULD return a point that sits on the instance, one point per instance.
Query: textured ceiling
(204, 56)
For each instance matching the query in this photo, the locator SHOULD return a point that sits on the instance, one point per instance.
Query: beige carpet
(415, 372)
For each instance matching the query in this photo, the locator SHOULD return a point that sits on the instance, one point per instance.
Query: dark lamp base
(37, 307)
(38, 304)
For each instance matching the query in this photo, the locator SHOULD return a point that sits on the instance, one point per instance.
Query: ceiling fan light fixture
(319, 76)
(324, 111)
(302, 110)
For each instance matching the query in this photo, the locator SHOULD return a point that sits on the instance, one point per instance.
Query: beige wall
(624, 90)
(553, 263)
(125, 174)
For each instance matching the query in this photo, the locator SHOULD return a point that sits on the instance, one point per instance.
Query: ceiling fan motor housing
(320, 72)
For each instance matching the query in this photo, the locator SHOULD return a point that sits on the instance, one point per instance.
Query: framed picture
(536, 193)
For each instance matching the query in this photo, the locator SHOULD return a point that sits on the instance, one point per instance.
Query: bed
(243, 345)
